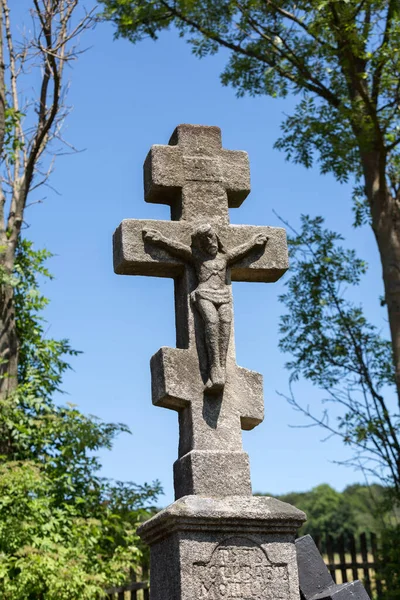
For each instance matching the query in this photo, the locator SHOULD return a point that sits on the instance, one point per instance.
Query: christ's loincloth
(215, 296)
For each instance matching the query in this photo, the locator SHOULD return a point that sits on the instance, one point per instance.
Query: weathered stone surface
(133, 256)
(221, 549)
(195, 154)
(316, 582)
(203, 253)
(208, 473)
(238, 514)
(209, 427)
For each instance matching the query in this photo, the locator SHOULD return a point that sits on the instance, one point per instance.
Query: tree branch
(324, 92)
(377, 76)
(363, 369)
(288, 15)
(307, 79)
(13, 84)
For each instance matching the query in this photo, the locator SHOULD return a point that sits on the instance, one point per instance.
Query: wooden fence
(130, 591)
(348, 558)
(135, 590)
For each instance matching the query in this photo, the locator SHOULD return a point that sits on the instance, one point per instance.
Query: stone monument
(216, 541)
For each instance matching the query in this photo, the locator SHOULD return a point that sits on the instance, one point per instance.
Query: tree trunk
(385, 214)
(387, 232)
(2, 86)
(8, 332)
(8, 342)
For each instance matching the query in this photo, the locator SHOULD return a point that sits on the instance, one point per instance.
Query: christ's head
(206, 238)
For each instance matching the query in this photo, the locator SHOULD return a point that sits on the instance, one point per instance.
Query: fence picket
(146, 592)
(353, 552)
(133, 592)
(331, 557)
(364, 554)
(342, 556)
(375, 554)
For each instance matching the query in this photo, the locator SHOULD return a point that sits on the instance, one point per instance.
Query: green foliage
(315, 128)
(371, 508)
(390, 562)
(12, 142)
(340, 58)
(65, 532)
(327, 335)
(48, 549)
(326, 509)
(358, 509)
(41, 360)
(334, 346)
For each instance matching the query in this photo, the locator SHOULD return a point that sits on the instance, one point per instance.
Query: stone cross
(203, 253)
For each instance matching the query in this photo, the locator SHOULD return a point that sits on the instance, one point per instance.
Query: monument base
(237, 547)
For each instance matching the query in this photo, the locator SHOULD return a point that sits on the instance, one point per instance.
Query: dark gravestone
(316, 582)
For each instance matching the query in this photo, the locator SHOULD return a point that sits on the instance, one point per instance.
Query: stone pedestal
(230, 474)
(237, 547)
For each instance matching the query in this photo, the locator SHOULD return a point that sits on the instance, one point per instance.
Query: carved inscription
(240, 570)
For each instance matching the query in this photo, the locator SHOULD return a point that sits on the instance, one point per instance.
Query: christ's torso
(212, 278)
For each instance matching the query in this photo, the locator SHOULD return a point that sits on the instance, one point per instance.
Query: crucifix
(203, 253)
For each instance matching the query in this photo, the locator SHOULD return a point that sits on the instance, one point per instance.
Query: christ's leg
(225, 326)
(211, 325)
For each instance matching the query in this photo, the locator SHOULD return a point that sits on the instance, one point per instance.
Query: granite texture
(195, 154)
(206, 472)
(134, 256)
(215, 398)
(316, 582)
(221, 549)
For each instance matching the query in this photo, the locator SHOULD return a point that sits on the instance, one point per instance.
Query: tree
(389, 569)
(327, 511)
(332, 344)
(372, 511)
(30, 136)
(356, 510)
(65, 532)
(341, 59)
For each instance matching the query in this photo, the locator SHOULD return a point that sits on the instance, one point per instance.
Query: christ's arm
(240, 251)
(174, 248)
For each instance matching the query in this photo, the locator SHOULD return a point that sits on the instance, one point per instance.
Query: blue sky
(125, 99)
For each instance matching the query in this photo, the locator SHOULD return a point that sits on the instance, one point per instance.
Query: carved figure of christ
(203, 253)
(212, 296)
